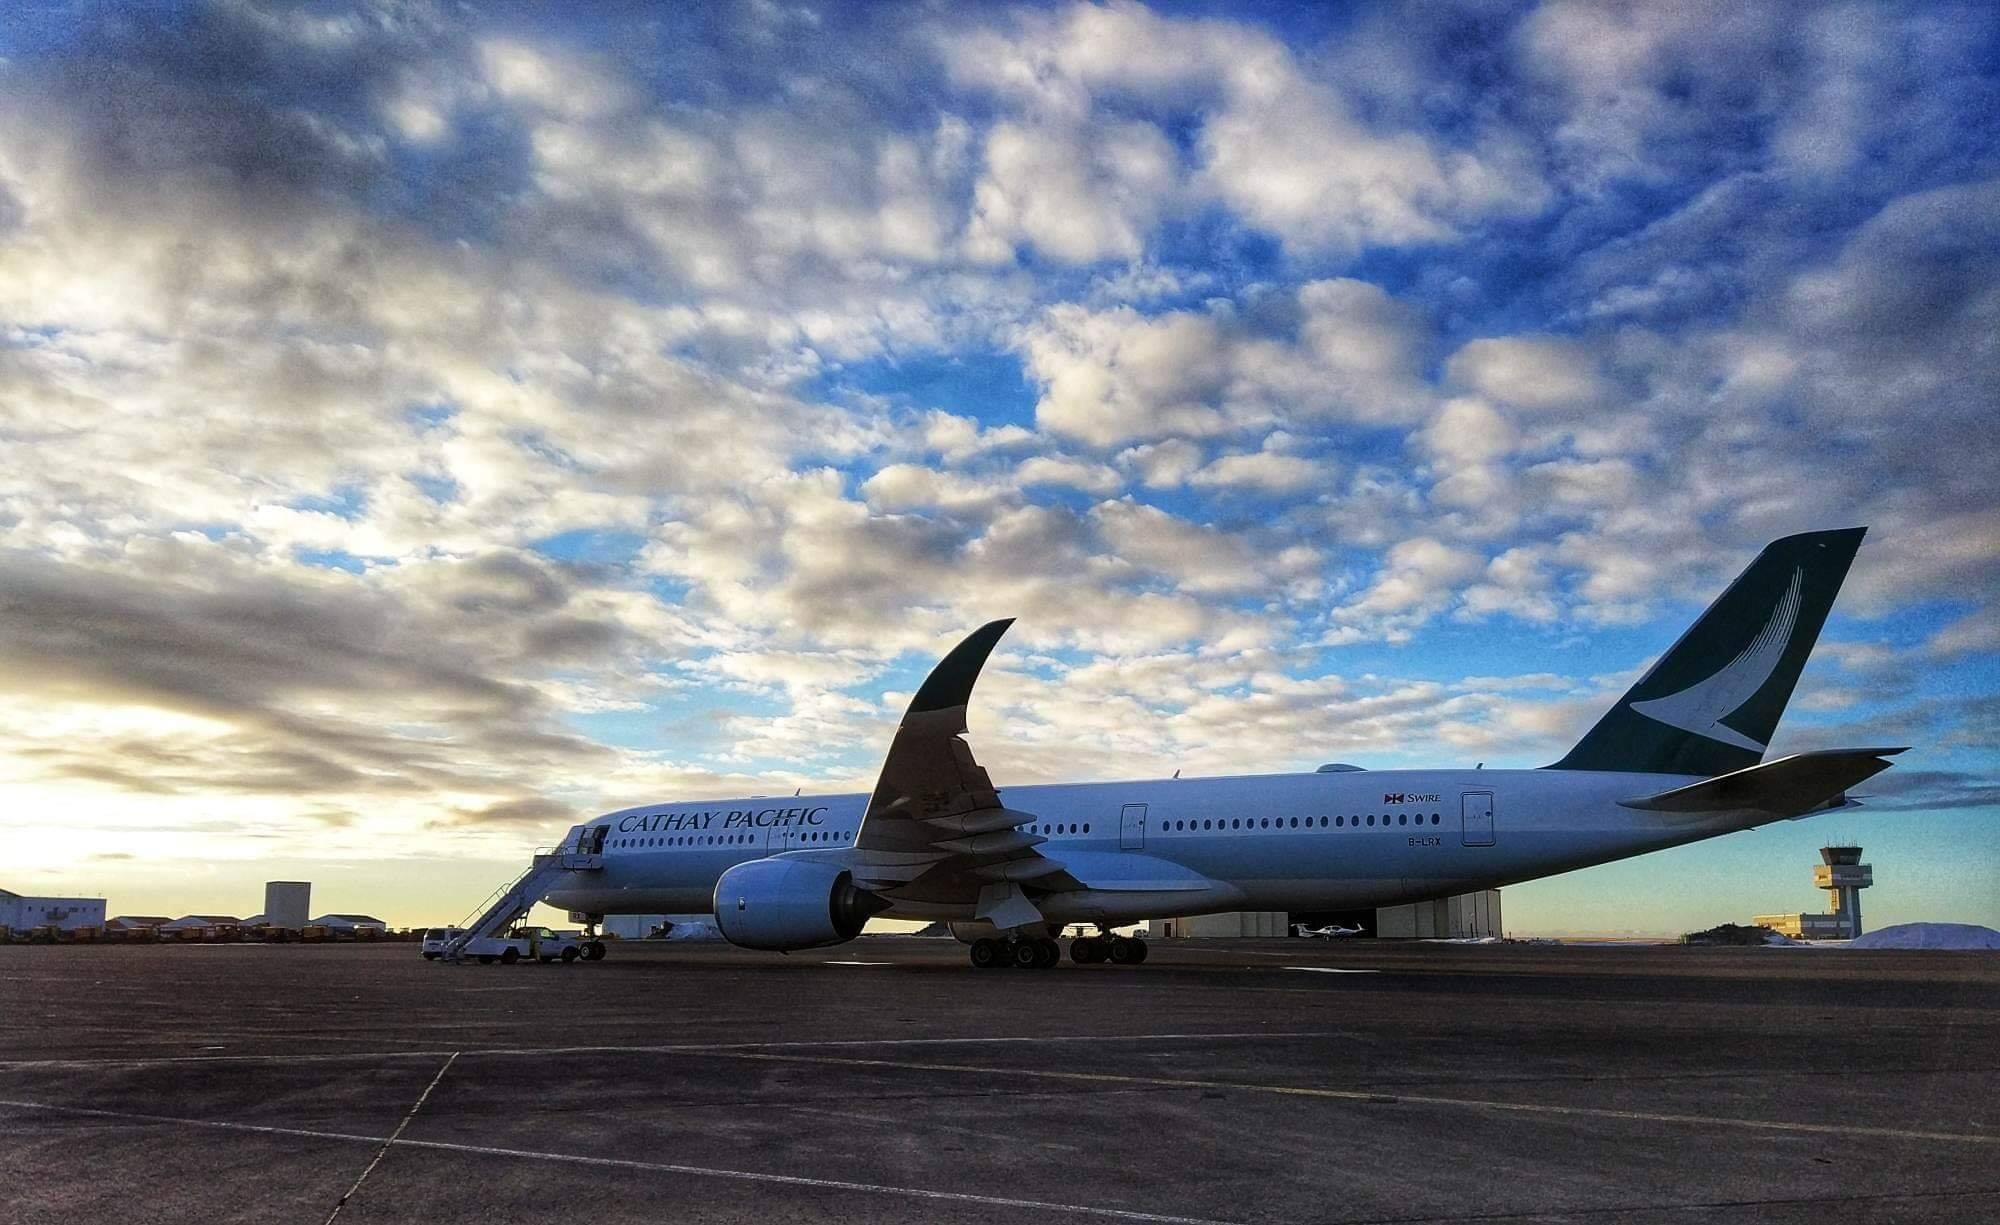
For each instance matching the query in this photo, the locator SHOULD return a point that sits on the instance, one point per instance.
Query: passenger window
(1086, 827)
(1371, 818)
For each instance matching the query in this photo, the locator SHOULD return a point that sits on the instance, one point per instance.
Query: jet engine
(784, 904)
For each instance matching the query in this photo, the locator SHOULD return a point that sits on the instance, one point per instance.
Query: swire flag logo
(1392, 797)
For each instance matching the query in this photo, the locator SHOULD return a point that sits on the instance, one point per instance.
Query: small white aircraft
(1330, 932)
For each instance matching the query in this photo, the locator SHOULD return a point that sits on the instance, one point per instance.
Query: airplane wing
(935, 829)
(1789, 786)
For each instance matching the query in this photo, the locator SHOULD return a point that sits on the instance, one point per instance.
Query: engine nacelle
(785, 904)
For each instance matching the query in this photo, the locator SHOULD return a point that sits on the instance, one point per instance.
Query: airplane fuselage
(1168, 847)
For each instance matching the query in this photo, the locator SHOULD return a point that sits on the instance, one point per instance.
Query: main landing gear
(1042, 953)
(1118, 950)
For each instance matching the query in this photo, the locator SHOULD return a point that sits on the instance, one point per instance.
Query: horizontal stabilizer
(1785, 787)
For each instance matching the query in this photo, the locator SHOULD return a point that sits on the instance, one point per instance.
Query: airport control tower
(1842, 874)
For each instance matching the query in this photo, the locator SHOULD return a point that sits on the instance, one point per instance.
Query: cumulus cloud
(1337, 350)
(1535, 373)
(1079, 195)
(1417, 575)
(1278, 145)
(453, 427)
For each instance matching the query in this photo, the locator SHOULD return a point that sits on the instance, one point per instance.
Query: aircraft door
(1132, 828)
(1477, 807)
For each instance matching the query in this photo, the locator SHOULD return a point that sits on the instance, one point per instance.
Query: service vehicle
(542, 944)
(437, 938)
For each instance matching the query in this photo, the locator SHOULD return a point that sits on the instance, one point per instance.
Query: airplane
(1330, 932)
(1677, 759)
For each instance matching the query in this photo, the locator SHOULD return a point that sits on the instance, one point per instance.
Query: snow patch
(1929, 936)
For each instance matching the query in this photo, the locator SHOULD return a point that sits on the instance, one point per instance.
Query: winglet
(950, 683)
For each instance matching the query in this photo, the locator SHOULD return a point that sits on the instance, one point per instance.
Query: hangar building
(1467, 916)
(19, 913)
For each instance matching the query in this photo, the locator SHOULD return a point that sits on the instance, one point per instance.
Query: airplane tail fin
(1710, 704)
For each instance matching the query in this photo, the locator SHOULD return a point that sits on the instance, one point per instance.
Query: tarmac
(887, 1081)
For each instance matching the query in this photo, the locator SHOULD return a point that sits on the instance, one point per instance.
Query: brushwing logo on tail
(1701, 707)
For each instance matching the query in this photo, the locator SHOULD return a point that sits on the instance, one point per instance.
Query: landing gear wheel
(1048, 954)
(1121, 950)
(1138, 951)
(509, 956)
(1027, 954)
(985, 953)
(569, 955)
(1083, 950)
(594, 951)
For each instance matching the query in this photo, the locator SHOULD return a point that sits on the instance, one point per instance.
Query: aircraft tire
(985, 953)
(1026, 954)
(569, 955)
(1121, 950)
(594, 951)
(1049, 954)
(509, 956)
(1138, 951)
(1083, 950)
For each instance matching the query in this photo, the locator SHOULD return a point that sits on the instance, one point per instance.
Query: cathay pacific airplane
(1677, 759)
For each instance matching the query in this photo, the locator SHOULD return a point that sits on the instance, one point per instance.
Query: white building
(18, 913)
(1468, 916)
(287, 903)
(350, 922)
(129, 923)
(201, 922)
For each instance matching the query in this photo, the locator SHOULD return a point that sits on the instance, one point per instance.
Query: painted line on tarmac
(1375, 1098)
(677, 1048)
(625, 1163)
(393, 1137)
(1326, 970)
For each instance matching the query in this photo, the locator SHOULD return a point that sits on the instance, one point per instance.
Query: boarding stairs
(510, 903)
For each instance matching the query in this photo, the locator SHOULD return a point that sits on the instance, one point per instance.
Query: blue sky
(426, 428)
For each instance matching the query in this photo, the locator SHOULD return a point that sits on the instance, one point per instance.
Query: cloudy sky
(424, 428)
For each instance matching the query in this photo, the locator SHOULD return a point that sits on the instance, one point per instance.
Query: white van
(437, 938)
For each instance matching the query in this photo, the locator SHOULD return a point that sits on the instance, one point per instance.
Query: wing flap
(1785, 787)
(1000, 842)
(979, 821)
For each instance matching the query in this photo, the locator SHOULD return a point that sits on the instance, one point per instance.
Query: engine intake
(782, 904)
